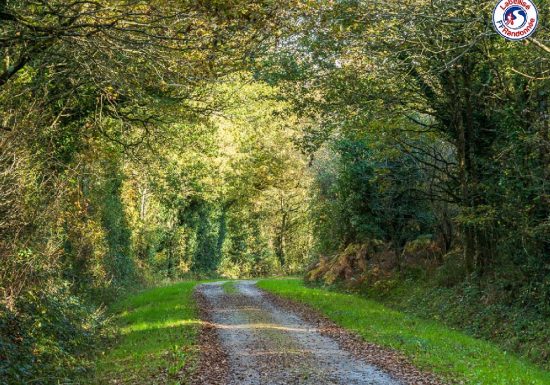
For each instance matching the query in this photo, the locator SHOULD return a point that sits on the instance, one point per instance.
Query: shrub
(47, 337)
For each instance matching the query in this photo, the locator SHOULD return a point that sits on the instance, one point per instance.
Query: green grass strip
(229, 287)
(158, 330)
(454, 355)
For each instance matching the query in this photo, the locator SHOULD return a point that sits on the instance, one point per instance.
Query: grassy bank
(482, 309)
(158, 329)
(454, 355)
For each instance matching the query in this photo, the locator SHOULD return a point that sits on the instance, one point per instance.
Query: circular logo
(515, 19)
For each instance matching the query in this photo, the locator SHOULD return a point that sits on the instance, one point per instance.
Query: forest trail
(268, 345)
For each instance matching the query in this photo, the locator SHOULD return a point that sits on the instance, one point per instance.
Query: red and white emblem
(515, 19)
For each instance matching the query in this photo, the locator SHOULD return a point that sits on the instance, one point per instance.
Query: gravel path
(268, 345)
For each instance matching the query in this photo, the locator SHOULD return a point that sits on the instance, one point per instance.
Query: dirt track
(268, 345)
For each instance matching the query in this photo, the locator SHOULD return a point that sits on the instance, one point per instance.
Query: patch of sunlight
(264, 326)
(168, 324)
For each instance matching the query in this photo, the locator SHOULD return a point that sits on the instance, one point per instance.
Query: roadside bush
(47, 337)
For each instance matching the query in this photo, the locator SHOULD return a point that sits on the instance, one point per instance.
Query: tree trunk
(280, 241)
(222, 231)
(468, 232)
(143, 203)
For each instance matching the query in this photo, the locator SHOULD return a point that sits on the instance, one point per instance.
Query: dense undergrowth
(456, 356)
(483, 309)
(49, 336)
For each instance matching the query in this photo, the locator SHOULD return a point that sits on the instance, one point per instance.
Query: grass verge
(453, 355)
(158, 329)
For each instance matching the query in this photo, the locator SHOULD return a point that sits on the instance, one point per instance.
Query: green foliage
(206, 254)
(365, 193)
(487, 310)
(452, 354)
(472, 108)
(227, 196)
(48, 337)
(355, 191)
(118, 233)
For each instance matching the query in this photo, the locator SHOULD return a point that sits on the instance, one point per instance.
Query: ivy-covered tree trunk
(206, 254)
